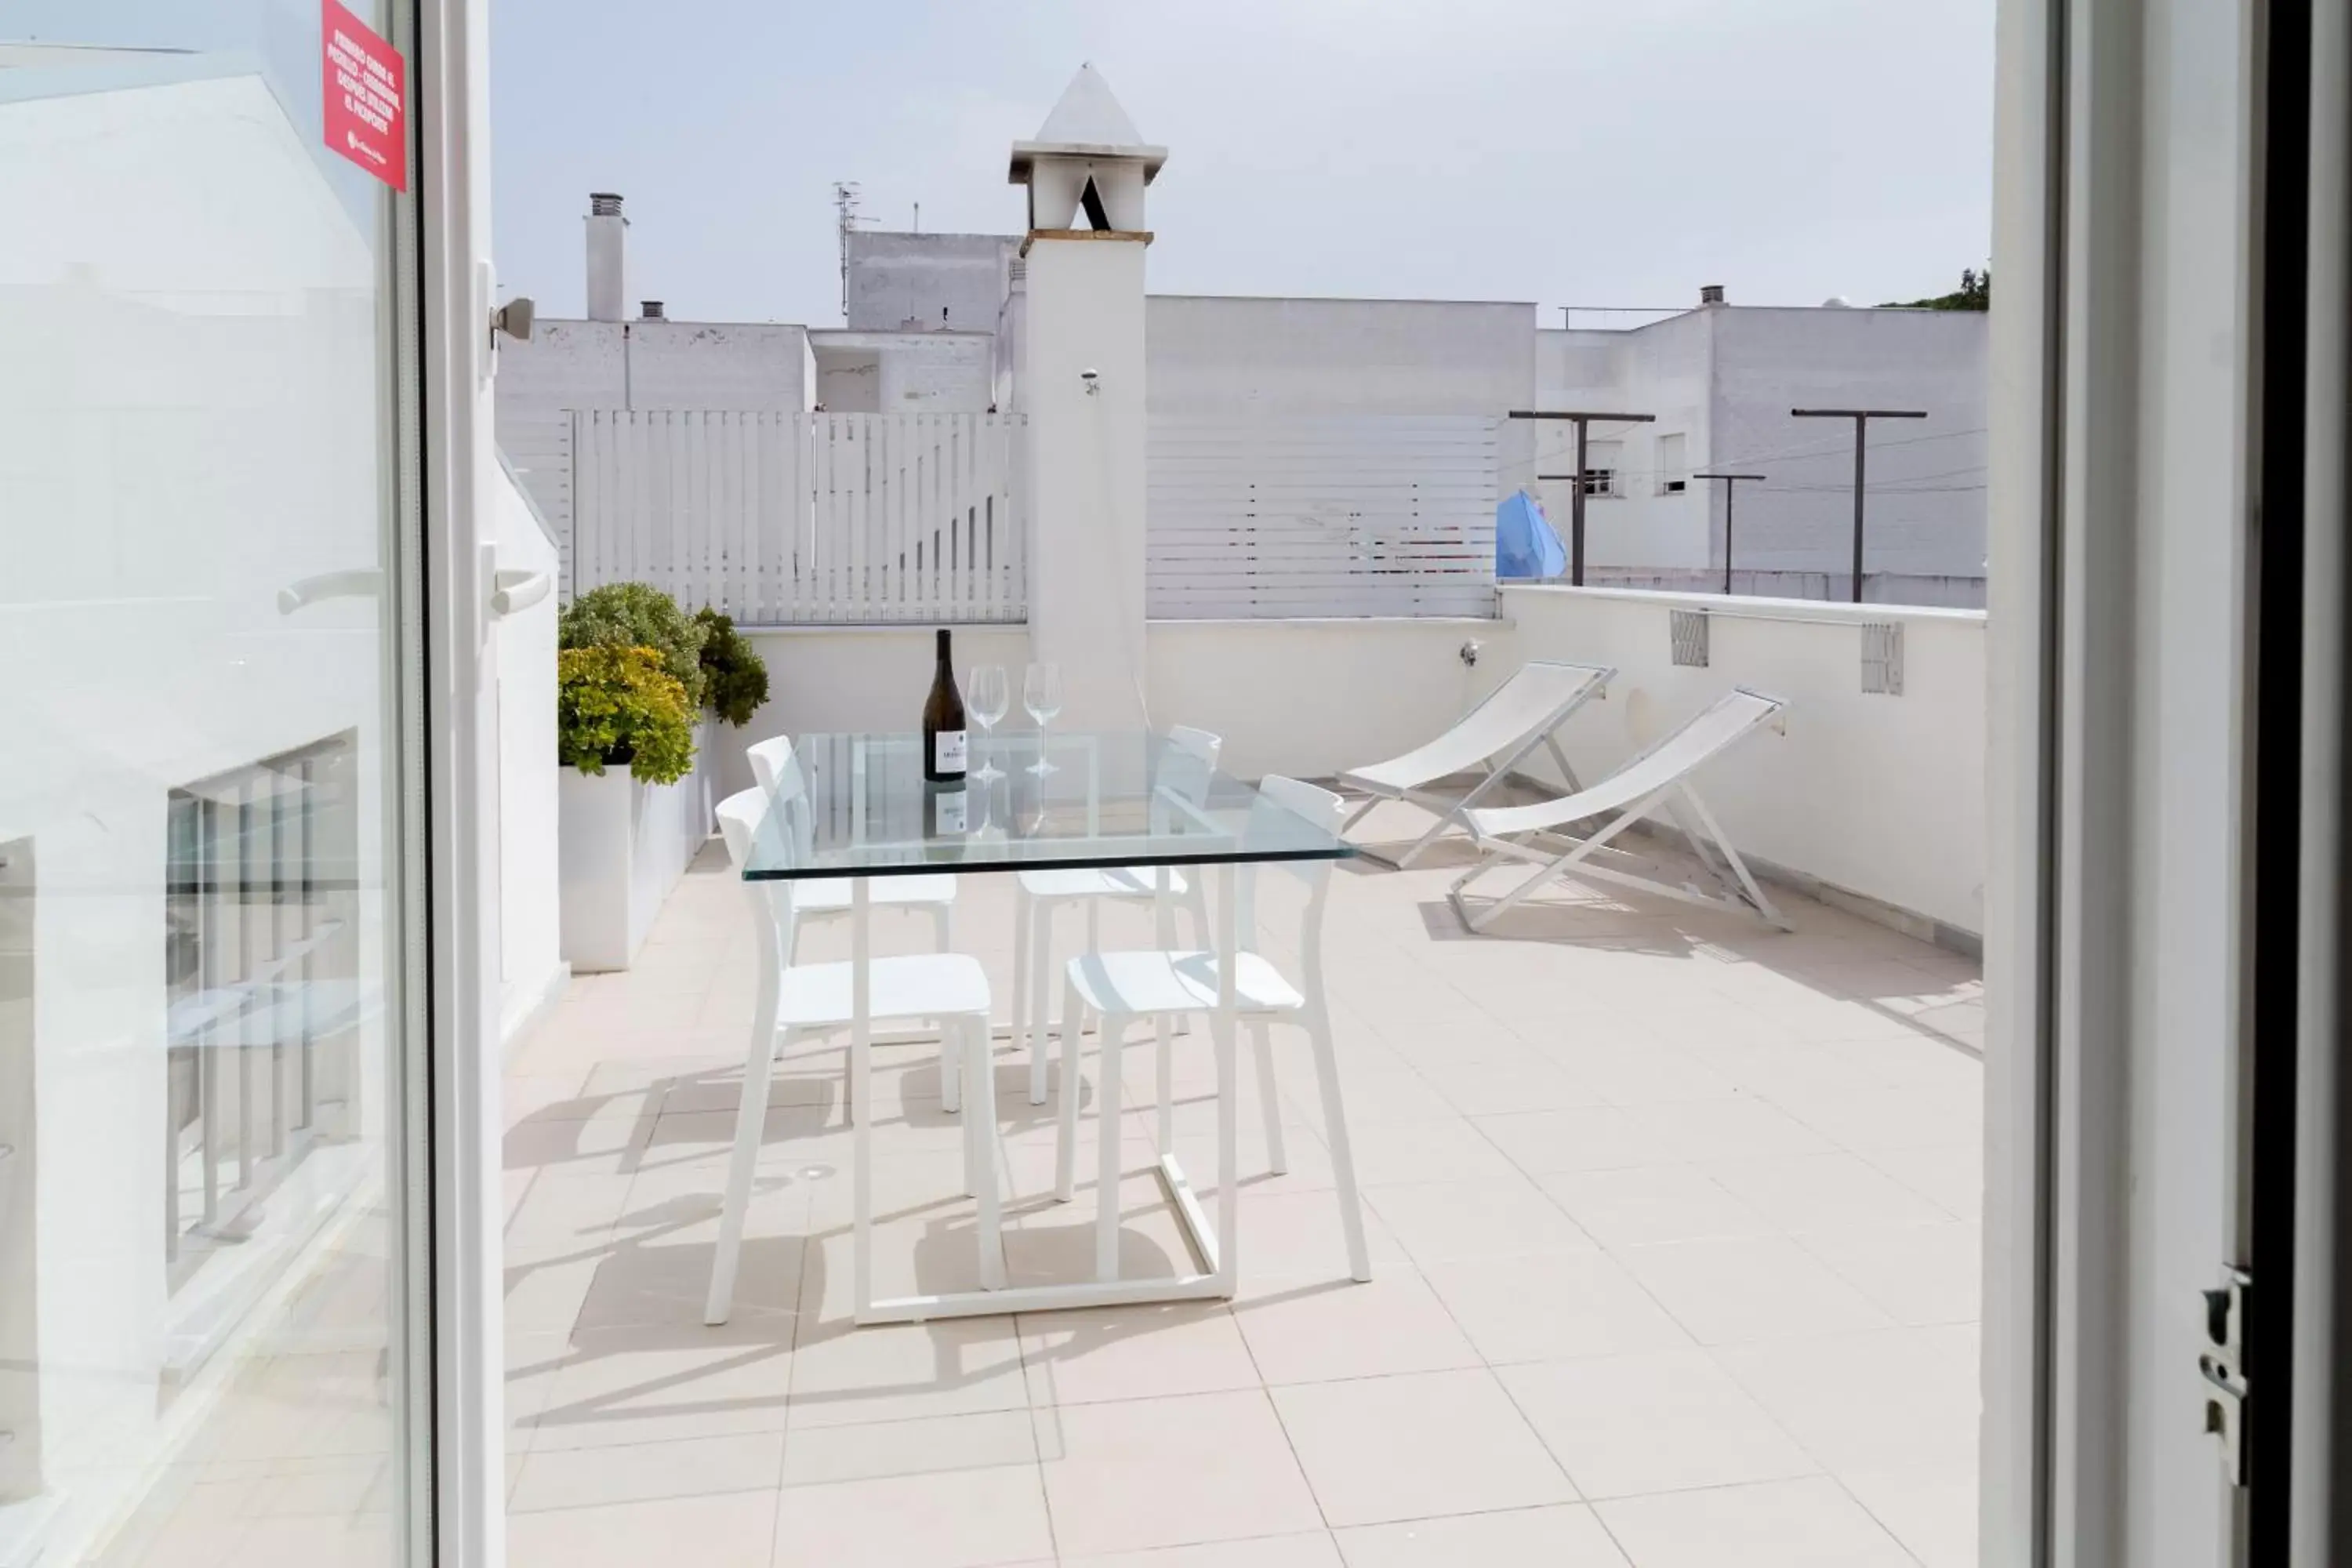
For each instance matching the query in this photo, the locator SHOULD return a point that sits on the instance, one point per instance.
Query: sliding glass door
(211, 1075)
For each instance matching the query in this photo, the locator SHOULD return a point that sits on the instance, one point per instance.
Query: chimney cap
(651, 309)
(605, 203)
(1710, 293)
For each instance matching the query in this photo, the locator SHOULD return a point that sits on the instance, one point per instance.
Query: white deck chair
(1659, 778)
(1524, 713)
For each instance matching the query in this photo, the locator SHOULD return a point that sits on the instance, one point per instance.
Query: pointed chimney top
(1088, 122)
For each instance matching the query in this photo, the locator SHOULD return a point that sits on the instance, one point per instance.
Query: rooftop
(1673, 1225)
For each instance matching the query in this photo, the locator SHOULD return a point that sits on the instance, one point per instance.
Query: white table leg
(1224, 1022)
(750, 1123)
(861, 1086)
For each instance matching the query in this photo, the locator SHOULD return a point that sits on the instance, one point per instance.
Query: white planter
(622, 847)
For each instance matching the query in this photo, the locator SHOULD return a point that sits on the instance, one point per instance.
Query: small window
(1673, 467)
(1603, 461)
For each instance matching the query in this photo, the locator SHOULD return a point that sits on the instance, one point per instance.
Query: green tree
(734, 676)
(1975, 293)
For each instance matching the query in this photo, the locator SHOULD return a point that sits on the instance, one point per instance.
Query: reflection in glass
(205, 1342)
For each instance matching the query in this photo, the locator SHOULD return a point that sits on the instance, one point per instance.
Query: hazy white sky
(1566, 151)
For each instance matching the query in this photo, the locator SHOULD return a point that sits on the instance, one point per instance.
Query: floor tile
(1626, 1424)
(818, 1456)
(733, 1531)
(1808, 1523)
(663, 1384)
(1820, 1191)
(1383, 1449)
(631, 1472)
(1740, 1288)
(1652, 1203)
(954, 1519)
(1903, 1398)
(1566, 1535)
(895, 1371)
(1552, 1307)
(1311, 1551)
(1933, 1512)
(1600, 1138)
(1134, 1352)
(1145, 1473)
(1506, 1216)
(1919, 1274)
(1318, 1331)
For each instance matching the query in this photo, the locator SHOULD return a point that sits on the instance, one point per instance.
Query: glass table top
(858, 805)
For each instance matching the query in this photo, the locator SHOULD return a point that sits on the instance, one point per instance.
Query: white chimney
(607, 285)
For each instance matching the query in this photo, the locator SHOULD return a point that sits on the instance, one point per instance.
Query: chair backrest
(1279, 796)
(1186, 766)
(747, 820)
(770, 759)
(1517, 715)
(1663, 762)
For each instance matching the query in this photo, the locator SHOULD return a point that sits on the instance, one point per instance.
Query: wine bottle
(944, 737)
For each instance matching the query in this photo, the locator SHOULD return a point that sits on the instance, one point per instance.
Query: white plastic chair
(828, 901)
(1524, 713)
(1121, 988)
(798, 1002)
(1657, 779)
(1187, 766)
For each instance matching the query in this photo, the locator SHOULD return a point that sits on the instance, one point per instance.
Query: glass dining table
(1071, 800)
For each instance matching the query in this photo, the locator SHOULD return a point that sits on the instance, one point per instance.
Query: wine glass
(987, 696)
(1041, 693)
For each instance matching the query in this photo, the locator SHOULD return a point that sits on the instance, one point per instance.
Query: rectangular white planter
(622, 847)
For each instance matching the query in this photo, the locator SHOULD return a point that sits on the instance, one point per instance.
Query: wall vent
(1882, 657)
(1688, 629)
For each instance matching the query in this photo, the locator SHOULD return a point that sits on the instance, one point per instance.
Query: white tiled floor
(1674, 1220)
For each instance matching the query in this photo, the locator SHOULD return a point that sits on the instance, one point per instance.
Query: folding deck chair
(1657, 779)
(1524, 713)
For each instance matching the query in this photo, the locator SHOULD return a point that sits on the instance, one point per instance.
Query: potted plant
(630, 814)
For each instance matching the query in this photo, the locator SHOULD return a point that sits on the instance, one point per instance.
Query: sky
(1587, 153)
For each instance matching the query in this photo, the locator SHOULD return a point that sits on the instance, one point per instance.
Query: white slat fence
(1339, 516)
(803, 518)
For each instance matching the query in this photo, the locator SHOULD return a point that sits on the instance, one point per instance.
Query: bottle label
(947, 749)
(952, 804)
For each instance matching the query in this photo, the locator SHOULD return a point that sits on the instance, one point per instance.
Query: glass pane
(855, 804)
(204, 1250)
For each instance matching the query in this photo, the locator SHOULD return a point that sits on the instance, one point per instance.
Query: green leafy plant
(620, 705)
(734, 676)
(639, 615)
(1975, 293)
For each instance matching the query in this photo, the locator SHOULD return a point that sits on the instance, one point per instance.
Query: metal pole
(1862, 419)
(1731, 484)
(1861, 445)
(1576, 512)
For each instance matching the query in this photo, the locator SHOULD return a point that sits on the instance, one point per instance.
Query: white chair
(828, 901)
(1659, 778)
(1524, 713)
(1122, 987)
(799, 1002)
(1187, 765)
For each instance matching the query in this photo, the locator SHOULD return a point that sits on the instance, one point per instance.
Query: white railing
(804, 519)
(1330, 516)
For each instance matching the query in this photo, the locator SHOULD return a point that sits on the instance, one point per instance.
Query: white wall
(1662, 369)
(1880, 795)
(1086, 470)
(1926, 477)
(903, 373)
(896, 279)
(1312, 698)
(1225, 355)
(1727, 377)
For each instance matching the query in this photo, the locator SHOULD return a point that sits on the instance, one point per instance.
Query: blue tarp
(1525, 544)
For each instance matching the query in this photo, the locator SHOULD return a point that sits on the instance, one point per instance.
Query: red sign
(367, 96)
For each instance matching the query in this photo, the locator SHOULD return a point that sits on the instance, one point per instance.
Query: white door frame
(450, 94)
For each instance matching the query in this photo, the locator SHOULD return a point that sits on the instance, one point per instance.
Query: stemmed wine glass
(986, 698)
(1041, 693)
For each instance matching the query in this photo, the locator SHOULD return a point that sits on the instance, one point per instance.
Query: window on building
(1674, 465)
(1603, 462)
